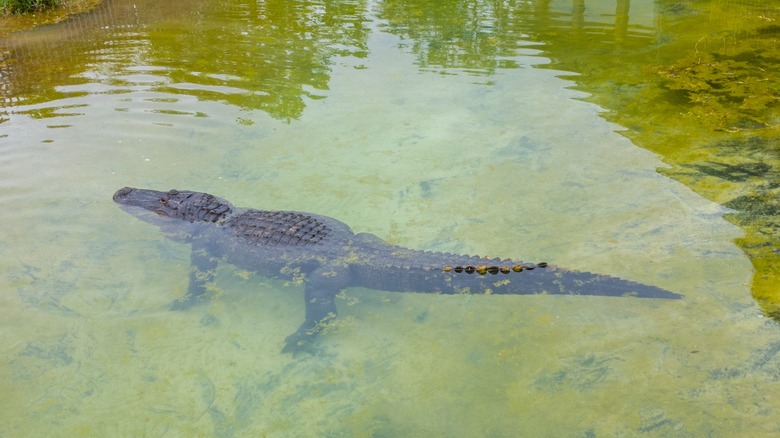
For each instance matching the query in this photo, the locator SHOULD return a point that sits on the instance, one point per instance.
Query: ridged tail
(406, 270)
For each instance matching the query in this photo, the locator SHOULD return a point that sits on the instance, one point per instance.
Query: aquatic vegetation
(49, 12)
(732, 88)
(705, 95)
(26, 6)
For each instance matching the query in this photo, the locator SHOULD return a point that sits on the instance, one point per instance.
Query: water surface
(442, 128)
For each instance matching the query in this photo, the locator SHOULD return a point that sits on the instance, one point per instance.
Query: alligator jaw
(143, 204)
(147, 199)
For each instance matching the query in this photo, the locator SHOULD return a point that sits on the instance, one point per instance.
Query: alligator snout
(121, 195)
(131, 197)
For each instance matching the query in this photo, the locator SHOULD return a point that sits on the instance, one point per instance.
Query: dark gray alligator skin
(329, 257)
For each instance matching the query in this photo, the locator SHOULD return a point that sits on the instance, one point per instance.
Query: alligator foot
(302, 341)
(187, 302)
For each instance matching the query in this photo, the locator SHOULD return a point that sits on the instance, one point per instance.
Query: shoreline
(12, 23)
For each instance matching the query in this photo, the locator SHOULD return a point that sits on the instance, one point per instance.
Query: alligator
(327, 257)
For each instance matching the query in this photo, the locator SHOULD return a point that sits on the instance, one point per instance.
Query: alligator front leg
(322, 286)
(203, 265)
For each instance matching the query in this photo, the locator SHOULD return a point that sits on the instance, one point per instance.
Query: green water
(435, 125)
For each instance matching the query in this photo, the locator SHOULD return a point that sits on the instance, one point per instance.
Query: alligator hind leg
(322, 285)
(202, 268)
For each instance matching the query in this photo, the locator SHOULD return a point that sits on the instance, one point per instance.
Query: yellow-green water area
(545, 130)
(700, 86)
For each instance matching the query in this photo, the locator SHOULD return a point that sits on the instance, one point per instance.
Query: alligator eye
(161, 212)
(173, 192)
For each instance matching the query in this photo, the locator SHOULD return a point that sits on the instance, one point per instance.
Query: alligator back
(279, 228)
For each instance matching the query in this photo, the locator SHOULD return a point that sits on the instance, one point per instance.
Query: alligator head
(155, 207)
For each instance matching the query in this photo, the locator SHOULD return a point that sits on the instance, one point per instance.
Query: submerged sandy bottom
(518, 168)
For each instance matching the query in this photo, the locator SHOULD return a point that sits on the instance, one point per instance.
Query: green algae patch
(732, 88)
(735, 88)
(703, 91)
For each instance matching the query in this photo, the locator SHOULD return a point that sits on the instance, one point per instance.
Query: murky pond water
(434, 125)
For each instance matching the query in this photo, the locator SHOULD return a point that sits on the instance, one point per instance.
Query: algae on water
(706, 98)
(732, 88)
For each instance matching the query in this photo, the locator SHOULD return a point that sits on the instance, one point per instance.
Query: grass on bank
(26, 6)
(19, 15)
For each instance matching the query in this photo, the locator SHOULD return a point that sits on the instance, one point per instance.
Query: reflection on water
(478, 37)
(431, 126)
(702, 91)
(282, 49)
(481, 37)
(270, 55)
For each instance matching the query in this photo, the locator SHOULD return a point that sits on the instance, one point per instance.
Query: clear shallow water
(426, 129)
